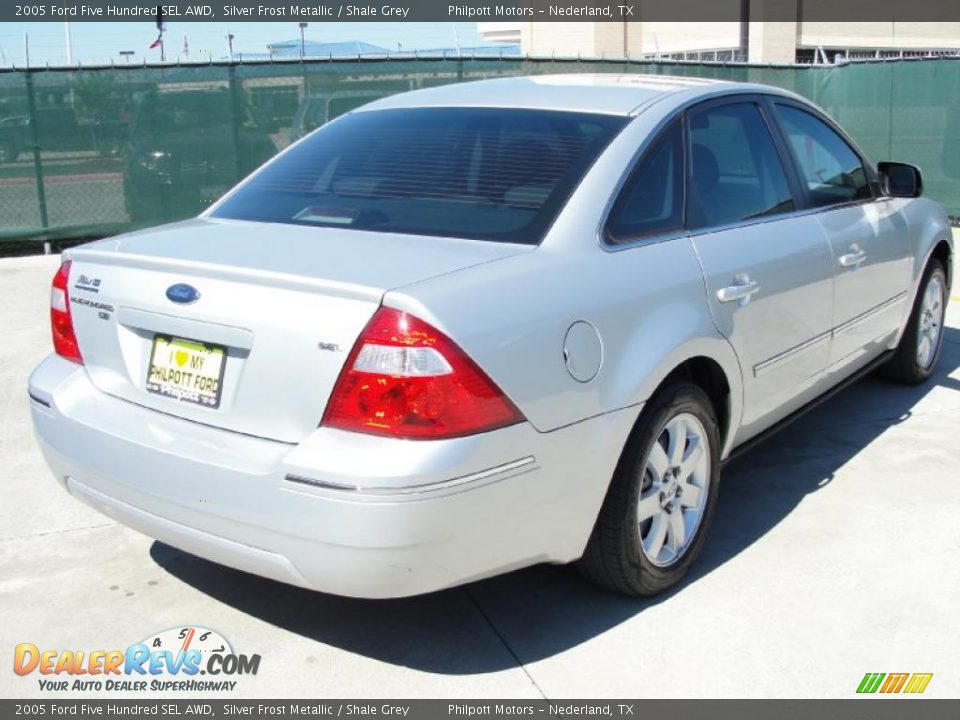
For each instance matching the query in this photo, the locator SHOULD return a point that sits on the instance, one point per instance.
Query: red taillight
(64, 339)
(406, 379)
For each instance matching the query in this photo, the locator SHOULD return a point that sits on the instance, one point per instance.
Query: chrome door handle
(742, 291)
(854, 259)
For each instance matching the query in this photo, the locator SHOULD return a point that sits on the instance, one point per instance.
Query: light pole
(303, 26)
(230, 37)
(68, 42)
(456, 38)
(126, 55)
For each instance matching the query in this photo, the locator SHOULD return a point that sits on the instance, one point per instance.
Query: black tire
(614, 557)
(904, 367)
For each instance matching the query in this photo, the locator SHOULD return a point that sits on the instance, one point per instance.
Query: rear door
(768, 269)
(869, 235)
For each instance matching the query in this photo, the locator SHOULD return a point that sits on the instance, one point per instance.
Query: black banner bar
(472, 10)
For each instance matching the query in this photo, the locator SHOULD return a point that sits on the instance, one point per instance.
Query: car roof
(606, 93)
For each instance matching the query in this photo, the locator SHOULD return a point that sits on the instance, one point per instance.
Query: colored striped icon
(913, 683)
(918, 682)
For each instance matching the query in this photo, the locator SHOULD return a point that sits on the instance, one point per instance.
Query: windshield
(482, 173)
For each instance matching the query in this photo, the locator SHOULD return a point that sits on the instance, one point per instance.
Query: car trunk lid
(278, 310)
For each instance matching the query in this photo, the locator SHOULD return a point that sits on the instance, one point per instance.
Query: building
(311, 49)
(756, 42)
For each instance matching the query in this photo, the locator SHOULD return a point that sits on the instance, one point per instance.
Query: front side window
(497, 174)
(652, 198)
(830, 168)
(735, 170)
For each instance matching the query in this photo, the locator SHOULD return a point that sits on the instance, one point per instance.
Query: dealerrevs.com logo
(175, 660)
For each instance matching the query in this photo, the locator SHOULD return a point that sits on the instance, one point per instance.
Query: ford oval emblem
(183, 293)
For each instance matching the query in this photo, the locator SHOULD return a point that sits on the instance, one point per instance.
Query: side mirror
(900, 179)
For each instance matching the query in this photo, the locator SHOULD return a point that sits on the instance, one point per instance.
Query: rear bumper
(340, 512)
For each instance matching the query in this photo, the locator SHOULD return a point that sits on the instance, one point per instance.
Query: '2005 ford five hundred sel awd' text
(471, 328)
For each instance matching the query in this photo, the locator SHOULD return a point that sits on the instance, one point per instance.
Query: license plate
(186, 370)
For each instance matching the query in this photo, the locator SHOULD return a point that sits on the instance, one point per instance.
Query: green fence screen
(91, 152)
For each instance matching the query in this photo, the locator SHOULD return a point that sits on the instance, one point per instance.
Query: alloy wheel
(930, 322)
(674, 490)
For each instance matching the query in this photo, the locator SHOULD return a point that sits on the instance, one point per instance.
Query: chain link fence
(91, 152)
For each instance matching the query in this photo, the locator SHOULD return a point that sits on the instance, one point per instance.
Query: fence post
(235, 110)
(35, 142)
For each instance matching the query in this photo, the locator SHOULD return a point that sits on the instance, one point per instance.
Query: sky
(100, 42)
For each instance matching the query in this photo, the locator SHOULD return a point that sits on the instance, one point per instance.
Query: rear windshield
(482, 173)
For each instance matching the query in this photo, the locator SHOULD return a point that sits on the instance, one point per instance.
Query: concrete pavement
(834, 552)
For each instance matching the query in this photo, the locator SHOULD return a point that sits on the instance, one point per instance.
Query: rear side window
(483, 173)
(652, 198)
(830, 168)
(735, 170)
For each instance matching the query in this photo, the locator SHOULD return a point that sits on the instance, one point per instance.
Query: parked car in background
(59, 129)
(472, 328)
(12, 137)
(187, 148)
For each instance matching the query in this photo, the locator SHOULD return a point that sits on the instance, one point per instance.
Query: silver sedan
(472, 328)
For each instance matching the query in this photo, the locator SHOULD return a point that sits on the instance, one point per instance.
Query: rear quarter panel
(647, 304)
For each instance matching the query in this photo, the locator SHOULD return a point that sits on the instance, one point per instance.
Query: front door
(869, 237)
